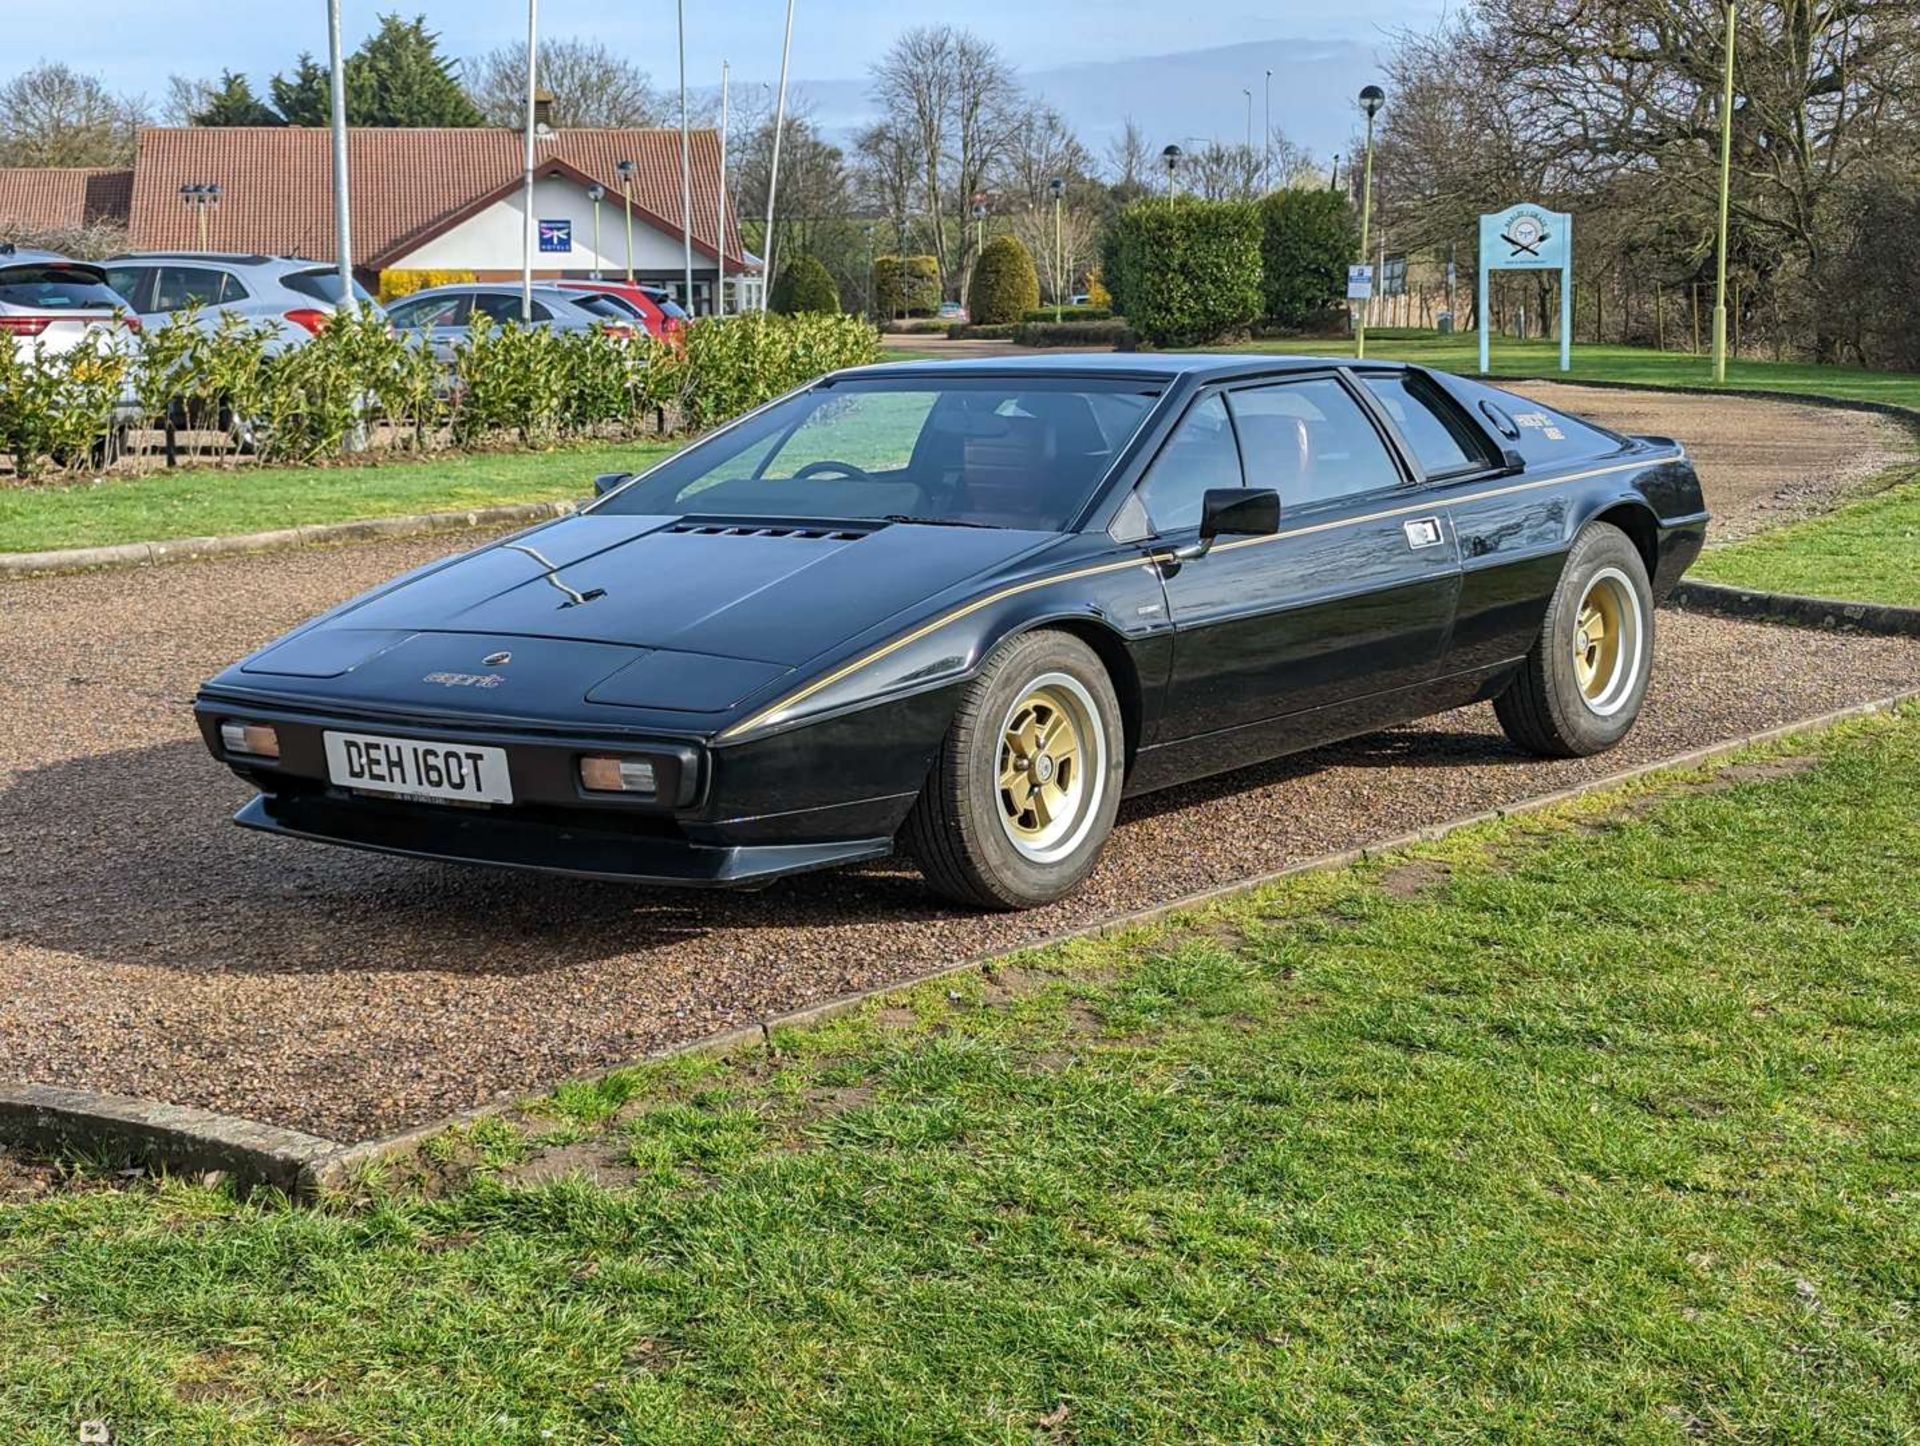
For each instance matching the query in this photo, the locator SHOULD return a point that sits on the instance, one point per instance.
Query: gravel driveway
(148, 947)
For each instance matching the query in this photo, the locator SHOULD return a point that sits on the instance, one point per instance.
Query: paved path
(148, 947)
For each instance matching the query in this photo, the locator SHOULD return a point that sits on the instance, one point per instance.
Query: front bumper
(578, 849)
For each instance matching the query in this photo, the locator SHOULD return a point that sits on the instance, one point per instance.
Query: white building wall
(491, 240)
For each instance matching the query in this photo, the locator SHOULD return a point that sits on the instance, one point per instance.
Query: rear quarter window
(57, 288)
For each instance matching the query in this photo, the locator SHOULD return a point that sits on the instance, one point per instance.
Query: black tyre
(1023, 792)
(1582, 687)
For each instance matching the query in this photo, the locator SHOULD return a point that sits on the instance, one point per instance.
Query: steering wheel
(827, 466)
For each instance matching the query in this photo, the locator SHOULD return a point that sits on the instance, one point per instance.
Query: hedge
(1110, 332)
(1308, 237)
(1069, 313)
(917, 295)
(1185, 271)
(536, 384)
(400, 282)
(805, 286)
(1005, 286)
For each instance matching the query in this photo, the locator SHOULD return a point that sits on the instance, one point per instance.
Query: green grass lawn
(1640, 366)
(205, 501)
(1601, 1126)
(1866, 551)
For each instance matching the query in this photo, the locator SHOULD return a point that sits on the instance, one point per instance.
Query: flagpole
(686, 165)
(720, 206)
(526, 236)
(773, 174)
(349, 303)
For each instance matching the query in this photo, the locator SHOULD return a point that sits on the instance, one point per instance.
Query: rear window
(603, 303)
(323, 286)
(53, 287)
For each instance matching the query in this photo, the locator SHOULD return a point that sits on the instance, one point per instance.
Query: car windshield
(56, 287)
(1015, 452)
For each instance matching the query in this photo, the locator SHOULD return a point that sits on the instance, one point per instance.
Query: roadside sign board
(1359, 283)
(556, 235)
(1528, 238)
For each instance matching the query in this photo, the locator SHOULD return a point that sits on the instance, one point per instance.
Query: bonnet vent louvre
(740, 529)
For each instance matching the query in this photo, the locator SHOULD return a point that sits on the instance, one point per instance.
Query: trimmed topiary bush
(1186, 271)
(805, 286)
(1110, 332)
(913, 289)
(1307, 239)
(1005, 286)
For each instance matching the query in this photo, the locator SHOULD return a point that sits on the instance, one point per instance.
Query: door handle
(1424, 532)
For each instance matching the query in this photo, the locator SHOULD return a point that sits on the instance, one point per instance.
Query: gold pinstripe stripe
(774, 711)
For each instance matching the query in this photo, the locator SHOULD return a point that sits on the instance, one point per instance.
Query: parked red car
(660, 322)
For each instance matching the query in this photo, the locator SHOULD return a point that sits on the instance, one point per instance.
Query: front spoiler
(582, 852)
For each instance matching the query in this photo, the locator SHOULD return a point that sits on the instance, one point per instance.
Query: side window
(429, 311)
(1311, 441)
(133, 283)
(182, 286)
(502, 309)
(1444, 441)
(1200, 455)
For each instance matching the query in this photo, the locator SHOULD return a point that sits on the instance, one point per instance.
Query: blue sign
(556, 235)
(1528, 238)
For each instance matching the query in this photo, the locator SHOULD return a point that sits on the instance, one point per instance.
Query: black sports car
(970, 606)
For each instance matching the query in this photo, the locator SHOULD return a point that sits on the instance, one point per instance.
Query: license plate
(454, 772)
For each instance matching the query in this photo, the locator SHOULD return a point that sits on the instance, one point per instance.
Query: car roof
(1160, 366)
(34, 256)
(218, 258)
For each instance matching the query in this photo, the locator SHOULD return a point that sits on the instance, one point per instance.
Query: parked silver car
(50, 304)
(441, 315)
(293, 296)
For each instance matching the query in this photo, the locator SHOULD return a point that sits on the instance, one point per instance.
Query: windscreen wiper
(933, 521)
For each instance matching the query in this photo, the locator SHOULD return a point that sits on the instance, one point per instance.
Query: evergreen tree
(233, 103)
(304, 97)
(397, 77)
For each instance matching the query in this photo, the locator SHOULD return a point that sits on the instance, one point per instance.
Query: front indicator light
(258, 740)
(616, 775)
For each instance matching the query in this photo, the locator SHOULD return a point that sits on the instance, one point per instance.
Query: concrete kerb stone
(1794, 610)
(53, 1120)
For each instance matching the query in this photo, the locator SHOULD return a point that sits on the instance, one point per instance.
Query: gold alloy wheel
(1606, 642)
(1051, 771)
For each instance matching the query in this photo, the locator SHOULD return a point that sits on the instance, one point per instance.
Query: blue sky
(136, 44)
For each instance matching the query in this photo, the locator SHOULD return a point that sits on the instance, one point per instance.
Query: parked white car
(51, 304)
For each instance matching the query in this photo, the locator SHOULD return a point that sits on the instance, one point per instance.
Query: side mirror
(1233, 512)
(607, 481)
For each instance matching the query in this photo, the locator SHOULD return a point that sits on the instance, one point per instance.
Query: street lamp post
(596, 194)
(1058, 187)
(200, 200)
(624, 169)
(1266, 141)
(867, 231)
(1372, 99)
(1170, 158)
(1249, 95)
(1726, 202)
(773, 169)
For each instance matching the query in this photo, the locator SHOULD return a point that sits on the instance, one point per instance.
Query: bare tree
(1033, 227)
(187, 96)
(1040, 149)
(1130, 160)
(888, 174)
(953, 95)
(1221, 172)
(592, 86)
(53, 115)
